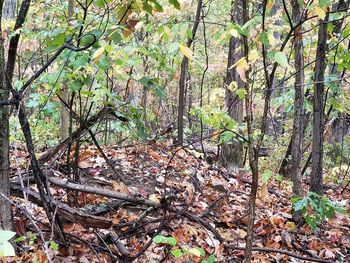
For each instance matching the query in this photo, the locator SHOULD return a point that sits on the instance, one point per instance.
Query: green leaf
(55, 42)
(54, 245)
(171, 241)
(241, 93)
(159, 239)
(266, 176)
(324, 3)
(6, 235)
(177, 253)
(157, 6)
(147, 7)
(210, 259)
(311, 222)
(175, 3)
(226, 137)
(300, 205)
(20, 239)
(264, 38)
(281, 59)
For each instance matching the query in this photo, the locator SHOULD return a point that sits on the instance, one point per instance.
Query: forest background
(210, 131)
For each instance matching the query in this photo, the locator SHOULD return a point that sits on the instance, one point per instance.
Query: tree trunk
(232, 154)
(5, 206)
(252, 151)
(64, 113)
(298, 129)
(316, 183)
(182, 80)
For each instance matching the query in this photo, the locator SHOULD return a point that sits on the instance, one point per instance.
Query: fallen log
(64, 211)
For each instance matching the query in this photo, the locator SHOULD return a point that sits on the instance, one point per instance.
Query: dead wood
(99, 191)
(63, 210)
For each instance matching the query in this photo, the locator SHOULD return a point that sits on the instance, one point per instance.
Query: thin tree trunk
(286, 163)
(298, 129)
(64, 113)
(316, 183)
(182, 80)
(252, 152)
(5, 207)
(232, 154)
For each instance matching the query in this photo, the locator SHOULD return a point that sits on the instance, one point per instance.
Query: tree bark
(5, 206)
(64, 113)
(252, 151)
(232, 154)
(182, 80)
(298, 129)
(316, 183)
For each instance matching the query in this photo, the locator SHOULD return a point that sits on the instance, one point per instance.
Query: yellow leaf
(271, 38)
(253, 55)
(234, 32)
(186, 51)
(241, 67)
(98, 54)
(270, 4)
(320, 12)
(195, 251)
(153, 198)
(233, 86)
(291, 225)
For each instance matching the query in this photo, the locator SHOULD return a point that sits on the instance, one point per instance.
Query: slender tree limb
(99, 191)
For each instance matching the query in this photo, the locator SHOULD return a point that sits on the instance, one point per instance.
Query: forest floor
(204, 205)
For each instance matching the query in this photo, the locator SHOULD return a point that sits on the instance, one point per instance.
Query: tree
(64, 113)
(316, 179)
(182, 79)
(232, 154)
(5, 206)
(298, 129)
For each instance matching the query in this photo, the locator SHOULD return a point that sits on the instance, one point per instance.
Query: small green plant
(159, 239)
(53, 245)
(315, 208)
(179, 252)
(6, 248)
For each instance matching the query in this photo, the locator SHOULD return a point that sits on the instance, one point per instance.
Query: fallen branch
(63, 210)
(99, 191)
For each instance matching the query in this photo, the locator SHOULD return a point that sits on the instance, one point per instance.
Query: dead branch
(63, 210)
(77, 134)
(99, 191)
